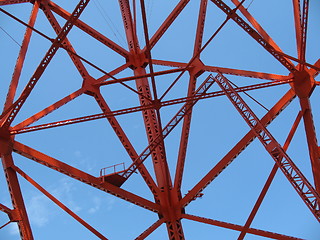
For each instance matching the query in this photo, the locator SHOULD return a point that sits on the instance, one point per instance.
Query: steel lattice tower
(193, 105)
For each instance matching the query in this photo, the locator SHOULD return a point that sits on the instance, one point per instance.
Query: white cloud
(96, 205)
(64, 192)
(38, 209)
(103, 204)
(41, 209)
(13, 229)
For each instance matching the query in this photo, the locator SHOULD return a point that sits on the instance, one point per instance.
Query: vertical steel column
(311, 140)
(138, 61)
(21, 216)
(194, 73)
(153, 130)
(304, 84)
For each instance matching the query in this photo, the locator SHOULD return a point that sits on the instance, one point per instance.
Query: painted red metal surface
(306, 191)
(139, 74)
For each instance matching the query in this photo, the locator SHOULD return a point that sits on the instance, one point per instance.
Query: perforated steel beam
(236, 227)
(20, 216)
(299, 182)
(254, 34)
(237, 149)
(84, 177)
(11, 112)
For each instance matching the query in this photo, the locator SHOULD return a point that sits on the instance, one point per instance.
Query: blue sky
(216, 125)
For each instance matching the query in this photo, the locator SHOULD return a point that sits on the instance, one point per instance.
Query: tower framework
(186, 119)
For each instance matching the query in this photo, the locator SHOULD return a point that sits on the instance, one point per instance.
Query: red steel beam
(70, 52)
(129, 27)
(184, 110)
(170, 63)
(237, 149)
(269, 180)
(304, 26)
(15, 192)
(134, 109)
(11, 112)
(184, 138)
(194, 73)
(16, 130)
(76, 56)
(21, 58)
(236, 227)
(26, 25)
(126, 143)
(148, 51)
(314, 72)
(136, 58)
(9, 2)
(112, 73)
(153, 127)
(297, 23)
(313, 67)
(167, 23)
(90, 31)
(311, 140)
(84, 177)
(195, 58)
(220, 93)
(299, 182)
(230, 71)
(142, 85)
(5, 225)
(150, 229)
(172, 221)
(125, 79)
(60, 204)
(257, 26)
(153, 131)
(49, 109)
(245, 73)
(77, 120)
(5, 209)
(152, 120)
(175, 229)
(13, 215)
(200, 27)
(65, 43)
(254, 34)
